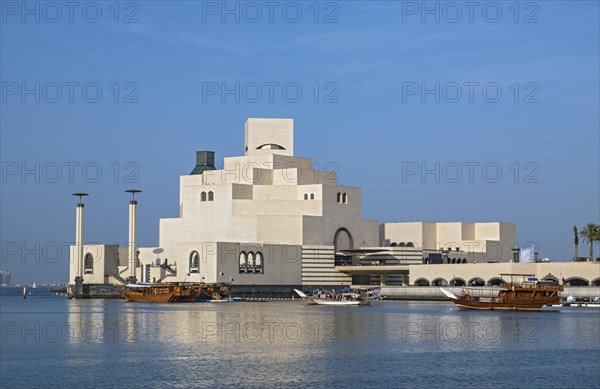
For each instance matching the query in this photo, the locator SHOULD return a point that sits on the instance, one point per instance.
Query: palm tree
(576, 256)
(591, 233)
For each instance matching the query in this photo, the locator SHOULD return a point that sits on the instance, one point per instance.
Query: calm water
(53, 342)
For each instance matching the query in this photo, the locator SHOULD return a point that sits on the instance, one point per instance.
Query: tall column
(132, 245)
(79, 238)
(132, 236)
(78, 290)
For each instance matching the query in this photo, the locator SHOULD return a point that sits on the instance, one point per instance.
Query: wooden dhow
(528, 294)
(162, 292)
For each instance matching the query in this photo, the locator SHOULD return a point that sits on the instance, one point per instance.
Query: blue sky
(368, 118)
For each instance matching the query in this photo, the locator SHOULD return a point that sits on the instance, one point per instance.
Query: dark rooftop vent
(205, 160)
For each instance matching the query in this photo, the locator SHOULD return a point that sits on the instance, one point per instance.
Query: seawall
(434, 292)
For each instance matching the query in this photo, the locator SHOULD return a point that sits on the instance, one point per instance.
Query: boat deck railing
(532, 285)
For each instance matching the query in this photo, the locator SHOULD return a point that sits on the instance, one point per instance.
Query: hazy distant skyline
(503, 106)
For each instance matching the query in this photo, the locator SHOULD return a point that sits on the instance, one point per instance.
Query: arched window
(464, 260)
(476, 281)
(344, 198)
(410, 244)
(258, 262)
(401, 244)
(439, 282)
(88, 263)
(194, 262)
(453, 260)
(203, 196)
(394, 244)
(312, 196)
(243, 262)
(270, 146)
(339, 197)
(577, 281)
(343, 240)
(250, 262)
(305, 196)
(211, 196)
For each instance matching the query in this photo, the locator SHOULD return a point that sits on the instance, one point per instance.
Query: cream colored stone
(588, 271)
(286, 208)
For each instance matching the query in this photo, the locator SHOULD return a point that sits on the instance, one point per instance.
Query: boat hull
(486, 306)
(149, 298)
(336, 302)
(340, 299)
(166, 293)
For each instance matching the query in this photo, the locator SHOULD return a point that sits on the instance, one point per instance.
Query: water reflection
(114, 342)
(93, 321)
